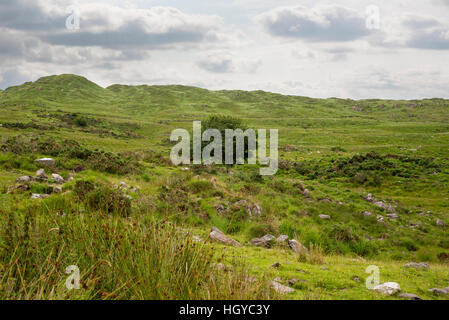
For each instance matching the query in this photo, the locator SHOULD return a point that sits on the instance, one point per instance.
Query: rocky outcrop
(49, 162)
(409, 296)
(438, 291)
(218, 236)
(419, 266)
(388, 288)
(297, 247)
(282, 239)
(280, 288)
(380, 204)
(24, 179)
(265, 241)
(41, 175)
(57, 178)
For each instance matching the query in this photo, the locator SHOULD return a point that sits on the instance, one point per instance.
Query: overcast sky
(308, 48)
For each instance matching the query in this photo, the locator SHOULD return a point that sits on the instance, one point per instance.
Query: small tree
(221, 123)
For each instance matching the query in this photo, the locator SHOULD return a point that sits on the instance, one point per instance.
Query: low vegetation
(358, 185)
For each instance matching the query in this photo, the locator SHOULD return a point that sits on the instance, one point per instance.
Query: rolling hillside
(359, 183)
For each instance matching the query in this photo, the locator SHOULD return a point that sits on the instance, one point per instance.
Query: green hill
(333, 154)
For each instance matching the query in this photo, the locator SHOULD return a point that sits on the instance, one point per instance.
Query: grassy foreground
(136, 226)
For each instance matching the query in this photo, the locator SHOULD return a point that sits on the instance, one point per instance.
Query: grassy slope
(309, 129)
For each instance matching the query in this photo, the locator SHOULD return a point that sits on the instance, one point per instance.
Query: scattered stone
(78, 169)
(302, 271)
(58, 179)
(39, 196)
(388, 288)
(24, 179)
(197, 239)
(325, 268)
(123, 185)
(41, 175)
(282, 238)
(276, 265)
(356, 279)
(306, 193)
(415, 265)
(219, 236)
(438, 291)
(392, 216)
(297, 247)
(380, 219)
(324, 217)
(128, 197)
(440, 223)
(265, 241)
(380, 204)
(279, 288)
(367, 214)
(409, 296)
(57, 190)
(49, 162)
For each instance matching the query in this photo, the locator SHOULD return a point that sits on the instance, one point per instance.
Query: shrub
(108, 200)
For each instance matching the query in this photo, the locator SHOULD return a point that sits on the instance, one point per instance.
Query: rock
(49, 162)
(440, 223)
(78, 169)
(282, 238)
(39, 196)
(265, 241)
(276, 265)
(58, 179)
(367, 214)
(297, 247)
(302, 271)
(380, 218)
(438, 291)
(128, 197)
(392, 216)
(279, 288)
(356, 279)
(380, 204)
(57, 189)
(21, 187)
(324, 217)
(41, 175)
(197, 239)
(219, 236)
(409, 296)
(306, 193)
(388, 288)
(415, 265)
(123, 184)
(24, 179)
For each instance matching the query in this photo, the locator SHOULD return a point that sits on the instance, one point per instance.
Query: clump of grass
(118, 258)
(314, 255)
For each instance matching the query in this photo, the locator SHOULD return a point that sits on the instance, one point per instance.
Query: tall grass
(118, 258)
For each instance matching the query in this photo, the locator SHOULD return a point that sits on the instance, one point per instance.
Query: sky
(348, 49)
